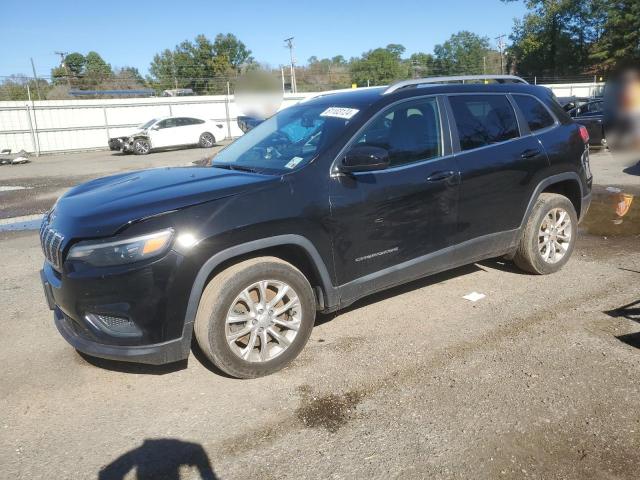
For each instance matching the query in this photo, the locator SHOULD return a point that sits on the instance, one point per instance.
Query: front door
(165, 133)
(383, 218)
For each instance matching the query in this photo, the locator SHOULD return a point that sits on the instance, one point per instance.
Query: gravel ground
(540, 379)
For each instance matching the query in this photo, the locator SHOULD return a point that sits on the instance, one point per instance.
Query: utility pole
(289, 42)
(63, 64)
(500, 39)
(35, 76)
(173, 72)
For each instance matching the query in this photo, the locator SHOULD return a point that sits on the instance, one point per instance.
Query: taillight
(584, 133)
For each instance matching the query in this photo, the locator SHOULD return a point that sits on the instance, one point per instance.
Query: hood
(101, 207)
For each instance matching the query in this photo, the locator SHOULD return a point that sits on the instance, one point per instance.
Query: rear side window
(483, 120)
(538, 117)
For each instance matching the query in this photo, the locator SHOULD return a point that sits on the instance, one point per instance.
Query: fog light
(112, 325)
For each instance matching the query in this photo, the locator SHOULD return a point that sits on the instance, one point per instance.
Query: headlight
(129, 250)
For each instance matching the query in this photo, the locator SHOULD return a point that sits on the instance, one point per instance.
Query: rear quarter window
(483, 120)
(536, 114)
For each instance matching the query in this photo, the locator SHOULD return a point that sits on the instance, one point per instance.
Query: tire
(207, 140)
(547, 257)
(223, 297)
(141, 146)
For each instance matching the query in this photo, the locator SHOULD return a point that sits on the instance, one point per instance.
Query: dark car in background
(246, 122)
(324, 203)
(591, 115)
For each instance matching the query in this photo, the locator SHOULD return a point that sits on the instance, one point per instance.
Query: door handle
(440, 176)
(530, 153)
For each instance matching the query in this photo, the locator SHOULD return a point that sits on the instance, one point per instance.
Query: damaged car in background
(168, 132)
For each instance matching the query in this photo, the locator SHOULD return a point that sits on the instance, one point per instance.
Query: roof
(363, 97)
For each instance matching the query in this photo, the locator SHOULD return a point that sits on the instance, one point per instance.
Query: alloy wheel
(207, 140)
(554, 235)
(263, 321)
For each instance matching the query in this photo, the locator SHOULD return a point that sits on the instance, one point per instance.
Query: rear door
(195, 127)
(498, 164)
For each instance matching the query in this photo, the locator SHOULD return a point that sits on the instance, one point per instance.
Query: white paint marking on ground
(11, 188)
(474, 296)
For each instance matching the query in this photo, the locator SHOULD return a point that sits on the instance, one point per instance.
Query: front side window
(483, 120)
(168, 123)
(537, 116)
(410, 132)
(288, 140)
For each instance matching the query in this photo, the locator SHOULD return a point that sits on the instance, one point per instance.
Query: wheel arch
(567, 184)
(294, 249)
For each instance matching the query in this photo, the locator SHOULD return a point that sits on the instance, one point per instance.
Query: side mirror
(364, 158)
(155, 127)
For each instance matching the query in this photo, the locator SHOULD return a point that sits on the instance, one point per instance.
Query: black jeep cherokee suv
(326, 202)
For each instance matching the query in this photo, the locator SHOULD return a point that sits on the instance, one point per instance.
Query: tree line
(555, 38)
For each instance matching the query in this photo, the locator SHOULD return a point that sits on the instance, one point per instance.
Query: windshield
(149, 123)
(288, 140)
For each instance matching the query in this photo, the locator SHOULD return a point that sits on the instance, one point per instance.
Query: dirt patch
(330, 411)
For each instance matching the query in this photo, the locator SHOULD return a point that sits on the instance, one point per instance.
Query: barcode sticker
(293, 162)
(339, 112)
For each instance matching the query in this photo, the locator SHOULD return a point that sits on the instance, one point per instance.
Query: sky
(129, 33)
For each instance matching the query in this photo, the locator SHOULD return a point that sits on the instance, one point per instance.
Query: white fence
(65, 125)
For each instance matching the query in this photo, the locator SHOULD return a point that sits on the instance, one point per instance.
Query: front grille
(51, 243)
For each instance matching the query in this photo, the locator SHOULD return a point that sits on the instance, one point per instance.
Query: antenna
(289, 45)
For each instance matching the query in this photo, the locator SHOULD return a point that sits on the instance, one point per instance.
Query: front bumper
(154, 354)
(131, 314)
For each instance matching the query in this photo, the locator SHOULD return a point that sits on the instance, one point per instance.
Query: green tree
(421, 64)
(96, 70)
(201, 65)
(70, 70)
(233, 50)
(620, 39)
(380, 66)
(461, 54)
(556, 36)
(14, 87)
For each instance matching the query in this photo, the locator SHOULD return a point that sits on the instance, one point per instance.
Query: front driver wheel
(207, 140)
(549, 236)
(141, 146)
(255, 317)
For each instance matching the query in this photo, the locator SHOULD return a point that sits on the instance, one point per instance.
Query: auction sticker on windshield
(293, 162)
(339, 112)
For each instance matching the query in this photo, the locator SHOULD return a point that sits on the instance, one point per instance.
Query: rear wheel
(255, 317)
(549, 236)
(141, 146)
(207, 140)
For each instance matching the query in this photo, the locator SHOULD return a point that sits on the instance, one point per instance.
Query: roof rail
(460, 78)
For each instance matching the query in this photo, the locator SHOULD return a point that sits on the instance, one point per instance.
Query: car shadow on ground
(160, 459)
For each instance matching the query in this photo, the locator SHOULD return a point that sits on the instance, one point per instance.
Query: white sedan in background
(170, 132)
